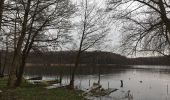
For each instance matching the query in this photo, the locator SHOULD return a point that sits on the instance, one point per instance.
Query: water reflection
(142, 82)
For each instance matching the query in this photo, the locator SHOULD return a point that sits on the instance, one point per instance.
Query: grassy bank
(36, 92)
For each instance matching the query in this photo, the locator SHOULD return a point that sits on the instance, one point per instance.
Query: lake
(143, 82)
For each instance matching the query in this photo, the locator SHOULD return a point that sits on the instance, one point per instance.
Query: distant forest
(94, 57)
(91, 57)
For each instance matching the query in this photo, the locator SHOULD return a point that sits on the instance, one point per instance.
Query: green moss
(36, 92)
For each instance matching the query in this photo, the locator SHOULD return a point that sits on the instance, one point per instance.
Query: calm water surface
(143, 82)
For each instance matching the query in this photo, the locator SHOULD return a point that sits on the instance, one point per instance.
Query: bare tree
(34, 19)
(58, 20)
(145, 26)
(17, 53)
(92, 29)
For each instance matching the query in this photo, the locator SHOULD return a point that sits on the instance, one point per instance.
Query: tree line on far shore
(89, 58)
(95, 57)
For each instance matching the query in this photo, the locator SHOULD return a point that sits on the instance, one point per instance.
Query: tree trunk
(164, 17)
(99, 75)
(6, 57)
(12, 70)
(71, 85)
(61, 77)
(20, 72)
(5, 61)
(1, 64)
